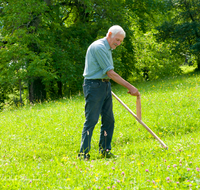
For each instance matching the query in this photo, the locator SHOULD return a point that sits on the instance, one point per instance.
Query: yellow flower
(68, 179)
(157, 180)
(64, 159)
(154, 186)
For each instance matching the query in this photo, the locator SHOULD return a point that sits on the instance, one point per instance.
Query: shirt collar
(107, 44)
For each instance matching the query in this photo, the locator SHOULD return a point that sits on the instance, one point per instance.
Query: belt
(102, 80)
(105, 80)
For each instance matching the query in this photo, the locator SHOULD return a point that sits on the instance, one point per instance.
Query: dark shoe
(107, 154)
(83, 156)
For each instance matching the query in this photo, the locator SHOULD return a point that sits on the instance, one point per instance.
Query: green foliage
(155, 60)
(43, 43)
(2, 98)
(182, 29)
(47, 41)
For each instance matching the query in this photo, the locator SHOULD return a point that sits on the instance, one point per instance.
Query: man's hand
(133, 91)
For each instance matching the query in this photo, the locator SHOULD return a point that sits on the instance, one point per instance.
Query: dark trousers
(98, 101)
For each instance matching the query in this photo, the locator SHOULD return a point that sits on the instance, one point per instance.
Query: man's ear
(110, 34)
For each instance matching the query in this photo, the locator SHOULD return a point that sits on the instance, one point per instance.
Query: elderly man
(98, 71)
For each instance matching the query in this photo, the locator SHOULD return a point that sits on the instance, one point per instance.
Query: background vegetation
(43, 42)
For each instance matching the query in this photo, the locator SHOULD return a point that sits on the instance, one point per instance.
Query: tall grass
(39, 143)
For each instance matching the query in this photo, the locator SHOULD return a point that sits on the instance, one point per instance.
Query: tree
(46, 41)
(154, 60)
(182, 29)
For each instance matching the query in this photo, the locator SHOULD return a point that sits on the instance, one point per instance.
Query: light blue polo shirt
(98, 60)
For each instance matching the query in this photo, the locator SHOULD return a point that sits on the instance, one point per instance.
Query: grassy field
(39, 143)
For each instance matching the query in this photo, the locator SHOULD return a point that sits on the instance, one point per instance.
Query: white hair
(116, 29)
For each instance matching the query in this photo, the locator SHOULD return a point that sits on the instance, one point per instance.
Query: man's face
(116, 40)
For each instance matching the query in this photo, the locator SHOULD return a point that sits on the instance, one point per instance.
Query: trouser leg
(107, 120)
(91, 121)
(94, 92)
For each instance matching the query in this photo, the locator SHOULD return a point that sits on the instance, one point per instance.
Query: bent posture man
(97, 91)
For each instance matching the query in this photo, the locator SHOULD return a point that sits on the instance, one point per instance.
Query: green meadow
(39, 143)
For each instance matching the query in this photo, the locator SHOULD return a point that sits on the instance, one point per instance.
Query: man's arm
(118, 79)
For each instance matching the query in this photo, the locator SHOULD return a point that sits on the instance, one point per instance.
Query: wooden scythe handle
(138, 107)
(141, 122)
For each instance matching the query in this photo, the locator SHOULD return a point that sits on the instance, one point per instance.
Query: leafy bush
(155, 60)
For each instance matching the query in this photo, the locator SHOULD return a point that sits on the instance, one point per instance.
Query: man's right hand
(133, 91)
